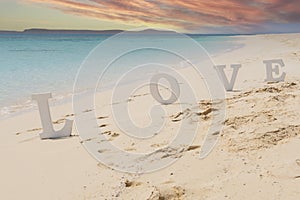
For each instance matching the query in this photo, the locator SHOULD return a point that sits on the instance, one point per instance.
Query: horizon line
(27, 30)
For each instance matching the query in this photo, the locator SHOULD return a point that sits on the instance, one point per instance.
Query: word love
(272, 68)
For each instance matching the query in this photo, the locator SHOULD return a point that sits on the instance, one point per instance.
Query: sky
(188, 16)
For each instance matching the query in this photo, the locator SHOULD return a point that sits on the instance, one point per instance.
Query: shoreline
(26, 105)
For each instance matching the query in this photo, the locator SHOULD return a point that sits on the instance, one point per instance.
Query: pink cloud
(183, 14)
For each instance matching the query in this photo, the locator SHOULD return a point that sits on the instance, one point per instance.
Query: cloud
(184, 14)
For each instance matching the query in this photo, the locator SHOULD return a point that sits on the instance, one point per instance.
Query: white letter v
(220, 70)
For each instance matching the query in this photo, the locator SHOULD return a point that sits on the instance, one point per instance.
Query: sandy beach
(256, 157)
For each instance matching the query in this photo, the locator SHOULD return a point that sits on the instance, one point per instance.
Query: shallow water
(42, 63)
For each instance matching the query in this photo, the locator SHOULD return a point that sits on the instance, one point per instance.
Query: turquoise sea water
(42, 63)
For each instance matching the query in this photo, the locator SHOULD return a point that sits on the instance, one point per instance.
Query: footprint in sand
(70, 115)
(87, 110)
(193, 147)
(103, 125)
(60, 121)
(181, 115)
(174, 193)
(30, 131)
(34, 130)
(298, 162)
(110, 133)
(128, 183)
(102, 117)
(130, 149)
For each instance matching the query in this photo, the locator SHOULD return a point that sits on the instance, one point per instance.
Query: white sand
(257, 156)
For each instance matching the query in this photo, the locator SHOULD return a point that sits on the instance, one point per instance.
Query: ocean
(37, 63)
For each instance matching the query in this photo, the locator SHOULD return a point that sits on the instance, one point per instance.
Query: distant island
(66, 31)
(61, 31)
